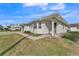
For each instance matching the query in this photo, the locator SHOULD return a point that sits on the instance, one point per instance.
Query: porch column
(52, 28)
(22, 30)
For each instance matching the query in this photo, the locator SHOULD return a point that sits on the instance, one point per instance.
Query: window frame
(35, 25)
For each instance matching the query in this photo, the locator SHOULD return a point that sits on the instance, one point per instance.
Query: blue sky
(17, 13)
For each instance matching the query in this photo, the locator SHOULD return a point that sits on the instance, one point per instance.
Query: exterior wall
(42, 30)
(11, 28)
(31, 28)
(61, 28)
(74, 29)
(27, 28)
(45, 29)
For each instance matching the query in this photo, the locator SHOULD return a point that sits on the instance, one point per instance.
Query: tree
(1, 27)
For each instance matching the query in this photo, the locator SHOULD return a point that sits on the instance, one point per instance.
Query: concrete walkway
(25, 35)
(33, 37)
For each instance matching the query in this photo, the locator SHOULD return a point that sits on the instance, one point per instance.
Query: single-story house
(53, 24)
(74, 27)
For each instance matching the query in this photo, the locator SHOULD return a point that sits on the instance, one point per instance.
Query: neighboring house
(52, 24)
(14, 27)
(74, 27)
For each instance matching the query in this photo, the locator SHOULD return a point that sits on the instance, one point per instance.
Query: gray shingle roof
(48, 18)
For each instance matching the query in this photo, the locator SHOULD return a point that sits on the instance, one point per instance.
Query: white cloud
(34, 4)
(33, 15)
(44, 8)
(9, 21)
(42, 5)
(72, 17)
(60, 6)
(73, 14)
(40, 15)
(66, 11)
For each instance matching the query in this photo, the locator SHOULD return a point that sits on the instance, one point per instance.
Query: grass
(74, 36)
(45, 47)
(3, 31)
(7, 40)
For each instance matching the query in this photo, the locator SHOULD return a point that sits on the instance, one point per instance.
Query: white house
(74, 27)
(53, 24)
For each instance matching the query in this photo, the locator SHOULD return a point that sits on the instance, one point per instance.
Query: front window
(35, 25)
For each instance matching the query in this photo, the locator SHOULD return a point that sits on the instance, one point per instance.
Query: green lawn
(74, 36)
(45, 47)
(7, 40)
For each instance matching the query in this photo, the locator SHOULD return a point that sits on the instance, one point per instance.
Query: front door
(55, 28)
